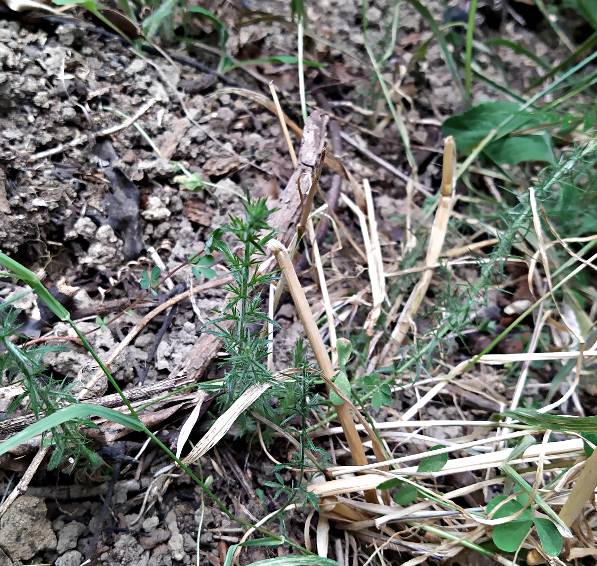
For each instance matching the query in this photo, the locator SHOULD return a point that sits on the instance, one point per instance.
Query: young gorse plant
(241, 324)
(42, 393)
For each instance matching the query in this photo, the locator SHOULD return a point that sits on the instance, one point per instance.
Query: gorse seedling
(296, 399)
(242, 320)
(241, 327)
(77, 411)
(42, 394)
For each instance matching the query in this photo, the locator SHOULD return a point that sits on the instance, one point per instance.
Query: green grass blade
(257, 543)
(585, 83)
(588, 45)
(468, 53)
(28, 277)
(443, 44)
(518, 49)
(153, 23)
(559, 423)
(71, 413)
(296, 561)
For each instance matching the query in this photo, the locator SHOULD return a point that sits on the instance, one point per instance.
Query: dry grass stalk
(329, 311)
(283, 125)
(223, 423)
(328, 373)
(434, 249)
(560, 449)
(582, 493)
(310, 230)
(372, 266)
(379, 281)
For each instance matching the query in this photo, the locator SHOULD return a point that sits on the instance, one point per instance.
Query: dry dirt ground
(93, 210)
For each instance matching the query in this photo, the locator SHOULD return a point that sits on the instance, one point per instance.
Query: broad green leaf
(190, 181)
(296, 561)
(204, 261)
(206, 272)
(471, 126)
(510, 508)
(73, 412)
(406, 495)
(388, 484)
(343, 384)
(200, 266)
(550, 537)
(433, 463)
(530, 492)
(344, 351)
(509, 536)
(518, 149)
(592, 438)
(150, 278)
(382, 396)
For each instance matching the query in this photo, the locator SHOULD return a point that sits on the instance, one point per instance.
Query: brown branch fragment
(434, 249)
(308, 321)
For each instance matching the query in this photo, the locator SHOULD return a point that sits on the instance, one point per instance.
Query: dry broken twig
(434, 249)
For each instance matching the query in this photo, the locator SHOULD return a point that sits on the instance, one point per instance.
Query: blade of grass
(398, 121)
(586, 45)
(468, 53)
(301, 66)
(296, 561)
(441, 40)
(70, 413)
(518, 49)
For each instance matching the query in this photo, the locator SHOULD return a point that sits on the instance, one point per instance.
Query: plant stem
(308, 321)
(468, 56)
(301, 67)
(582, 491)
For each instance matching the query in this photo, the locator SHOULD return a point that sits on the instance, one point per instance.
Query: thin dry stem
(312, 332)
(436, 242)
